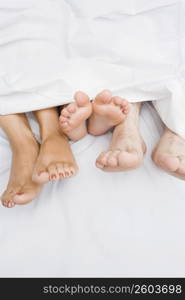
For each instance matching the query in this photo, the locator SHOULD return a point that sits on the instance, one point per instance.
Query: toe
(40, 175)
(7, 197)
(125, 106)
(181, 169)
(65, 113)
(129, 160)
(99, 163)
(122, 103)
(63, 119)
(72, 171)
(26, 195)
(104, 97)
(67, 170)
(60, 170)
(113, 159)
(11, 204)
(71, 108)
(117, 100)
(102, 160)
(65, 125)
(53, 172)
(167, 162)
(81, 99)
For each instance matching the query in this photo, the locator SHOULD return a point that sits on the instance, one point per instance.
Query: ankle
(47, 135)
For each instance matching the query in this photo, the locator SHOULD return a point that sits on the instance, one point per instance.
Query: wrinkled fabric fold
(135, 48)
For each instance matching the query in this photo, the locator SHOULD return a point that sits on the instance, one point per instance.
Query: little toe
(72, 171)
(81, 99)
(4, 202)
(7, 197)
(104, 97)
(125, 106)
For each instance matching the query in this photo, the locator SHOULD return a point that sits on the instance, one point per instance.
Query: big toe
(129, 160)
(40, 176)
(102, 159)
(81, 99)
(167, 162)
(26, 195)
(104, 97)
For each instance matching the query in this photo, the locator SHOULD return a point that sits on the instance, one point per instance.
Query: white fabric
(97, 224)
(51, 48)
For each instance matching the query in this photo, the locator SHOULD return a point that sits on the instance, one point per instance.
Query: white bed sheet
(97, 224)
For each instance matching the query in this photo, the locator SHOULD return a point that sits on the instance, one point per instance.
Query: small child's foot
(108, 111)
(73, 117)
(21, 189)
(55, 160)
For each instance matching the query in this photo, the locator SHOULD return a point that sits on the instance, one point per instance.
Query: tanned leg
(20, 189)
(55, 160)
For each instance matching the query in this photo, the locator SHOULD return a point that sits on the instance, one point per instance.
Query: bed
(97, 224)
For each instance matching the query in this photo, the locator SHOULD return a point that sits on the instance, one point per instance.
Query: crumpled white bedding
(51, 48)
(97, 224)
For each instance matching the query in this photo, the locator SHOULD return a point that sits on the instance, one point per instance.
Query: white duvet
(51, 48)
(97, 224)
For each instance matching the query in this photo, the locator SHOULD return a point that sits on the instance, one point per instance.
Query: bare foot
(169, 154)
(21, 189)
(73, 117)
(127, 147)
(108, 111)
(55, 160)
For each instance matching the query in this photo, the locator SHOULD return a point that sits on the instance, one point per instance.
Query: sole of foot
(21, 189)
(169, 154)
(73, 117)
(55, 160)
(108, 112)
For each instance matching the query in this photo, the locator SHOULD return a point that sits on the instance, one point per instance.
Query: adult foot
(73, 117)
(21, 189)
(108, 111)
(169, 154)
(127, 147)
(55, 160)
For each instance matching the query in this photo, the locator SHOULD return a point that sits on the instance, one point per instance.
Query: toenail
(40, 173)
(53, 177)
